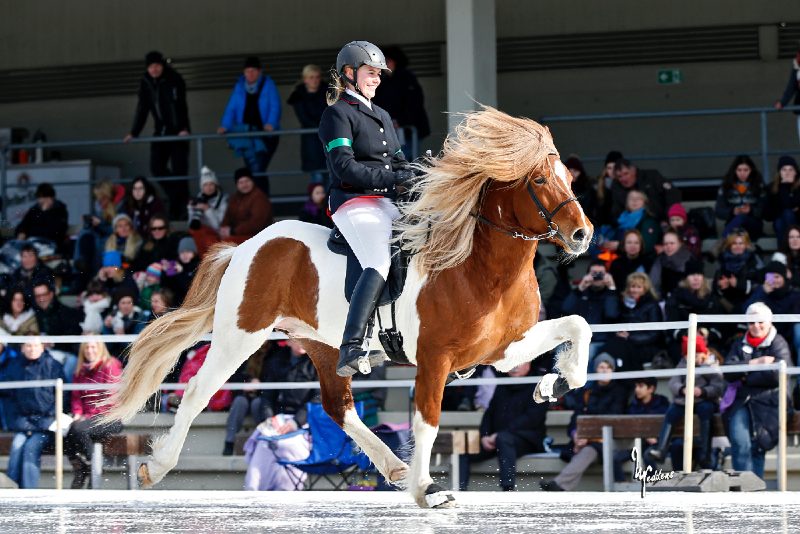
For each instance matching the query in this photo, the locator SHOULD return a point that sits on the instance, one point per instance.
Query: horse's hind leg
(229, 349)
(337, 400)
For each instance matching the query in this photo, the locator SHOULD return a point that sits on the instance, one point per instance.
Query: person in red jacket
(95, 366)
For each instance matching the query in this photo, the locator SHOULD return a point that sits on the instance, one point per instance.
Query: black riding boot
(658, 452)
(362, 306)
(703, 456)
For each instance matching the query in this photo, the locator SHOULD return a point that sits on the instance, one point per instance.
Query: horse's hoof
(438, 497)
(143, 476)
(397, 474)
(550, 388)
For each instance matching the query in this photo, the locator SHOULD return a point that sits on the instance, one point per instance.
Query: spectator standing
(308, 101)
(48, 218)
(30, 269)
(740, 200)
(752, 417)
(206, 211)
(669, 267)
(511, 427)
(162, 94)
(34, 411)
(315, 210)
(141, 203)
(19, 319)
(650, 182)
(631, 259)
(783, 198)
(792, 88)
(95, 366)
(678, 221)
(254, 106)
(249, 210)
(400, 94)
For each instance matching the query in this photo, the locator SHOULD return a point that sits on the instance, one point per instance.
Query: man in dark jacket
(30, 269)
(308, 101)
(512, 426)
(752, 417)
(34, 412)
(162, 94)
(55, 319)
(792, 88)
(660, 193)
(48, 218)
(596, 300)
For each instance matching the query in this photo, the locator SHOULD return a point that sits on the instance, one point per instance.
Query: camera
(598, 276)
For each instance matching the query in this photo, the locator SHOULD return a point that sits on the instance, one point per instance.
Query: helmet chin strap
(354, 82)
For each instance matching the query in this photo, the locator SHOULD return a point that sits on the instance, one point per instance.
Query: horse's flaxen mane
(487, 145)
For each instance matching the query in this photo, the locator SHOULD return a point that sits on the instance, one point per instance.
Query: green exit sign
(669, 76)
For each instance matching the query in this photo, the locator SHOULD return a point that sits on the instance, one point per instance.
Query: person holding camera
(206, 211)
(596, 300)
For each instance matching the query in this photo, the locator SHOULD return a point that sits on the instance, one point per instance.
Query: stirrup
(363, 363)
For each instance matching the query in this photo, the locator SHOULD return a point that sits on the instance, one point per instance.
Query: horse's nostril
(578, 235)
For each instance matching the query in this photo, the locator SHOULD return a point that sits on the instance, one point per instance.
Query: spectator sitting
(56, 319)
(690, 237)
(645, 402)
(160, 245)
(179, 274)
(790, 248)
(751, 418)
(631, 259)
(582, 186)
(48, 218)
(249, 210)
(315, 210)
(97, 227)
(637, 216)
(7, 355)
(511, 427)
(739, 269)
(631, 350)
(248, 401)
(220, 401)
(669, 267)
(779, 297)
(601, 397)
(254, 106)
(650, 182)
(34, 412)
(95, 366)
(792, 88)
(19, 319)
(708, 388)
(112, 275)
(30, 269)
(308, 101)
(740, 200)
(125, 317)
(783, 198)
(596, 300)
(160, 302)
(206, 211)
(141, 202)
(602, 188)
(125, 239)
(553, 286)
(96, 301)
(148, 282)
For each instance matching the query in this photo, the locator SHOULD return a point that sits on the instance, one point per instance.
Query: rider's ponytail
(335, 89)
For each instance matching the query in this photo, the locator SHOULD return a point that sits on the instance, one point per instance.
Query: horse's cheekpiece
(438, 497)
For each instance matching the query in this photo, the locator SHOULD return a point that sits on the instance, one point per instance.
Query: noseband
(543, 212)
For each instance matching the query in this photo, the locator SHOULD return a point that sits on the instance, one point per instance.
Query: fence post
(688, 430)
(782, 392)
(199, 156)
(59, 436)
(608, 458)
(764, 142)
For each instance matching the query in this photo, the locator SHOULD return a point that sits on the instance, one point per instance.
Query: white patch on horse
(420, 478)
(561, 172)
(384, 459)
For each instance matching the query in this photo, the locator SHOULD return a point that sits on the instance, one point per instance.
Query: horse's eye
(540, 180)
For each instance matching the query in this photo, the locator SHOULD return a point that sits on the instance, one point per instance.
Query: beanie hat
(699, 347)
(776, 267)
(693, 266)
(121, 217)
(613, 156)
(112, 258)
(677, 210)
(122, 292)
(187, 244)
(604, 357)
(787, 160)
(242, 172)
(252, 62)
(154, 57)
(760, 309)
(154, 269)
(207, 175)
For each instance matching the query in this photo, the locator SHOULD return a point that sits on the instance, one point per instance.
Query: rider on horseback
(365, 164)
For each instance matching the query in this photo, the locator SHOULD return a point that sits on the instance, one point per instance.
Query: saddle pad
(397, 272)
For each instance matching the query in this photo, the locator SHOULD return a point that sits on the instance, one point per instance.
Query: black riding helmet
(357, 53)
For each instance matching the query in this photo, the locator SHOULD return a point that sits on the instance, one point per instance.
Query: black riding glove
(404, 177)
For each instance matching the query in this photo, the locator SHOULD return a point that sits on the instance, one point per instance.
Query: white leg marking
(390, 466)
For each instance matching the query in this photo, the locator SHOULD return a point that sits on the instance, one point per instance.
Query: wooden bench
(127, 446)
(635, 427)
(455, 443)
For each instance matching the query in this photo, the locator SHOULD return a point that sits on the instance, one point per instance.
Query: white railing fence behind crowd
(691, 326)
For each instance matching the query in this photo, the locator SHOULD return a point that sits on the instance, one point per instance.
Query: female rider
(365, 163)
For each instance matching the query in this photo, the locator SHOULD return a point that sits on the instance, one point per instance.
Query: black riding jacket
(361, 149)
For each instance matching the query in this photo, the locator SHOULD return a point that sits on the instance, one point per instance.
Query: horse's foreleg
(337, 400)
(226, 354)
(429, 391)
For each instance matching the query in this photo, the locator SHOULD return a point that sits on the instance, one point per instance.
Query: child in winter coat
(179, 274)
(149, 282)
(95, 303)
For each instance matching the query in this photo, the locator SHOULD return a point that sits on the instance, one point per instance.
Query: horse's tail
(157, 349)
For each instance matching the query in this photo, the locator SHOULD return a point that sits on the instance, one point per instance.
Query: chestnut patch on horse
(281, 280)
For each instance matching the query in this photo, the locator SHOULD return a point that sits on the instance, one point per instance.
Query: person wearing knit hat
(207, 175)
(154, 270)
(187, 244)
(112, 258)
(783, 199)
(154, 57)
(679, 221)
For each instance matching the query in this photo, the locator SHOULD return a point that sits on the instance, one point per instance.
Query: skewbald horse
(471, 295)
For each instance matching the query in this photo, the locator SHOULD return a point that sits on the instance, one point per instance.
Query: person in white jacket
(207, 210)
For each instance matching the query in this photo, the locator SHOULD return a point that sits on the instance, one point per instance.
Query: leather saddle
(397, 272)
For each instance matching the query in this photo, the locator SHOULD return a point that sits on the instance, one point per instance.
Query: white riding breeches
(366, 224)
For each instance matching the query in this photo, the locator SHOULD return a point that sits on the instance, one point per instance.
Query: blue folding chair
(334, 456)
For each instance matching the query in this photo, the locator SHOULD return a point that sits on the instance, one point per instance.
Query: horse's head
(545, 205)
